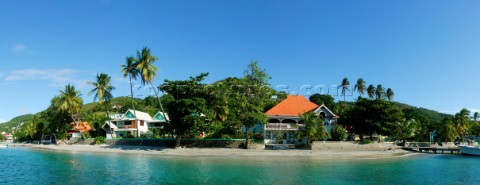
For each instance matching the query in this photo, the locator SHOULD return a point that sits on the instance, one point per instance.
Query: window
(142, 123)
(268, 135)
(291, 134)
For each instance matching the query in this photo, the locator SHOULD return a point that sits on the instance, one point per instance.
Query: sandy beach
(221, 152)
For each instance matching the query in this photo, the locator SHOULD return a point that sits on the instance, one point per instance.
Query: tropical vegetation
(229, 108)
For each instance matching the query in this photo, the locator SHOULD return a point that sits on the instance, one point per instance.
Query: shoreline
(221, 152)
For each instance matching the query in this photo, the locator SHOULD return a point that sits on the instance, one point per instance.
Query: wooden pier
(433, 150)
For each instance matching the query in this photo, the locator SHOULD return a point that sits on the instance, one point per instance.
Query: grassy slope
(7, 126)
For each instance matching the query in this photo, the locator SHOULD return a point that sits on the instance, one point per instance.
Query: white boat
(3, 146)
(470, 150)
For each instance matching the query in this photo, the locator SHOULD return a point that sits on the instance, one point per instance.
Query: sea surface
(33, 166)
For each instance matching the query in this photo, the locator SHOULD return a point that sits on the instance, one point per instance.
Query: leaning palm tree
(379, 92)
(345, 84)
(71, 102)
(390, 94)
(148, 71)
(360, 87)
(313, 128)
(103, 92)
(130, 70)
(371, 91)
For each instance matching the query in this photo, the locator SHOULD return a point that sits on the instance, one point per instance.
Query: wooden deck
(433, 150)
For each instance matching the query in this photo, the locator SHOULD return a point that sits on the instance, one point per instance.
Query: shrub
(99, 140)
(339, 133)
(365, 141)
(86, 135)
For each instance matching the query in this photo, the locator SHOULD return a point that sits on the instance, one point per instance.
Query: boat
(3, 146)
(469, 150)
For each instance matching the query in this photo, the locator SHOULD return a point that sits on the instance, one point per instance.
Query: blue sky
(426, 51)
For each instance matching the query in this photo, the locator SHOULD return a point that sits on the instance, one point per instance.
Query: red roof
(292, 106)
(82, 126)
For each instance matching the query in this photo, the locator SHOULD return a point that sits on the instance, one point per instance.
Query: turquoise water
(27, 166)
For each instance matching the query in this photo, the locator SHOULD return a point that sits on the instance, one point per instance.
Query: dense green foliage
(190, 106)
(373, 116)
(313, 128)
(339, 133)
(325, 99)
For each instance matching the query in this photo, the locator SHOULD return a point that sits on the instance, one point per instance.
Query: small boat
(3, 146)
(470, 150)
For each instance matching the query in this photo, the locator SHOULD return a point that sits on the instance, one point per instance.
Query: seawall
(352, 146)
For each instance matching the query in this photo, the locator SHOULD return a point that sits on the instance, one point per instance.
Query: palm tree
(390, 94)
(405, 129)
(71, 102)
(462, 122)
(130, 69)
(360, 87)
(371, 91)
(148, 71)
(103, 92)
(379, 92)
(447, 130)
(313, 128)
(345, 84)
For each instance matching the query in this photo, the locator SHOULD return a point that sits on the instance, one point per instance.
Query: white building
(133, 122)
(284, 120)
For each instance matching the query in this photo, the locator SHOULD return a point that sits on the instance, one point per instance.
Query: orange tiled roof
(292, 106)
(82, 126)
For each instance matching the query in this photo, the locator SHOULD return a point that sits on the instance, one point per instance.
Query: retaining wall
(352, 146)
(188, 143)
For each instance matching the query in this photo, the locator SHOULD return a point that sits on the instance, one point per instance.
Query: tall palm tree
(130, 70)
(148, 71)
(371, 91)
(360, 87)
(390, 94)
(379, 92)
(103, 92)
(345, 84)
(71, 102)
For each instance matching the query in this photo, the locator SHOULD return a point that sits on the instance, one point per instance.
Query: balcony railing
(282, 126)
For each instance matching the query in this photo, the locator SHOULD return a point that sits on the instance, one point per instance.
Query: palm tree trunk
(159, 102)
(133, 103)
(108, 119)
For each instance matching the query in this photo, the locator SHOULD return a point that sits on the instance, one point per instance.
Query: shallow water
(27, 166)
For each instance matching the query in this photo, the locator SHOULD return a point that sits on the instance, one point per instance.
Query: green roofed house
(158, 120)
(133, 122)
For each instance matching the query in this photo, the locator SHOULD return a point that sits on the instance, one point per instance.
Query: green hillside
(8, 126)
(432, 116)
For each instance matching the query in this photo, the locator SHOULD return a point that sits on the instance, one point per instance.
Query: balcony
(282, 126)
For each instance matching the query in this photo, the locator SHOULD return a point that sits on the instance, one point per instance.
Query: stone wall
(352, 146)
(427, 144)
(188, 143)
